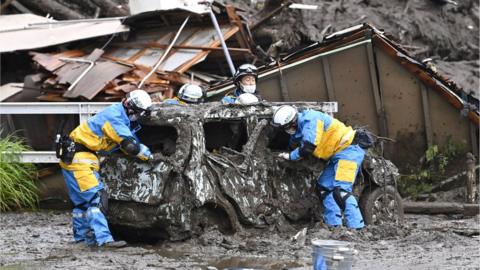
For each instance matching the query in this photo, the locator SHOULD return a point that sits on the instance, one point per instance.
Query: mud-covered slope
(444, 32)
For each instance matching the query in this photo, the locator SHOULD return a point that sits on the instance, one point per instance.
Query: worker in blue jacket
(326, 138)
(245, 80)
(187, 94)
(105, 131)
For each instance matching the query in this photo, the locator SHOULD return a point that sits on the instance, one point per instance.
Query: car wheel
(381, 205)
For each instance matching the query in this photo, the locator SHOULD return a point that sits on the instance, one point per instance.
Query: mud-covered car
(217, 164)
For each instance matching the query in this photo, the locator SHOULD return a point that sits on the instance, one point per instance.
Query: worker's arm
(312, 132)
(121, 134)
(293, 142)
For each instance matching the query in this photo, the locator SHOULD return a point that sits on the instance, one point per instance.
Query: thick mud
(42, 240)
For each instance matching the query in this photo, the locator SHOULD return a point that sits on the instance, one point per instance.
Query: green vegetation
(431, 170)
(17, 180)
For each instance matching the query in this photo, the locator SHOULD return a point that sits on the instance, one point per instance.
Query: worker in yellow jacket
(105, 131)
(326, 138)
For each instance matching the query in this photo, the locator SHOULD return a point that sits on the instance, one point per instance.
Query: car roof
(216, 111)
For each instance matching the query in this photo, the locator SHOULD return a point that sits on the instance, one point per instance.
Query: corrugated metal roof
(29, 34)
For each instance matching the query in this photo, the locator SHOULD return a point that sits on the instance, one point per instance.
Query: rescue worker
(326, 138)
(245, 80)
(187, 94)
(80, 165)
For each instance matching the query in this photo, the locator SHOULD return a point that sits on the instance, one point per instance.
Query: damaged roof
(27, 31)
(110, 73)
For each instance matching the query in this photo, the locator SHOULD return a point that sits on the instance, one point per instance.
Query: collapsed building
(74, 64)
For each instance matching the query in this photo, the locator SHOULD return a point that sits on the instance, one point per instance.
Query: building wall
(400, 95)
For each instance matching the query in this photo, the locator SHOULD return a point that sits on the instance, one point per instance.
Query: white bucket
(332, 255)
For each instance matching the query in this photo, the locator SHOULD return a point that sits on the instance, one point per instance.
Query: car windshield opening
(160, 139)
(277, 139)
(231, 134)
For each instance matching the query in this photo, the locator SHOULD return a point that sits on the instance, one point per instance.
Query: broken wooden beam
(435, 208)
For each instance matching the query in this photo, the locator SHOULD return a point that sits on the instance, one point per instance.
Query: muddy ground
(42, 240)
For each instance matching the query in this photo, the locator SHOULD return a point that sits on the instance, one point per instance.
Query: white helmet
(138, 100)
(284, 116)
(246, 98)
(190, 93)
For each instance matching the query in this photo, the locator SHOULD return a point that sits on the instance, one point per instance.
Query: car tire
(381, 205)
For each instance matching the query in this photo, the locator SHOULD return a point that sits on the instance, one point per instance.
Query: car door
(130, 179)
(292, 182)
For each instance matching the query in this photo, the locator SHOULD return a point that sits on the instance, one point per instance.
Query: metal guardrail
(83, 109)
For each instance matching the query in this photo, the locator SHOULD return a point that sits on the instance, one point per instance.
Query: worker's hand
(144, 153)
(285, 156)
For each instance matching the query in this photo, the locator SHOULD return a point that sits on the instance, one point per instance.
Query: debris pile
(106, 74)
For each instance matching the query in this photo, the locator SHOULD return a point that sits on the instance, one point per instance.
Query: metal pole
(222, 41)
(164, 54)
(91, 64)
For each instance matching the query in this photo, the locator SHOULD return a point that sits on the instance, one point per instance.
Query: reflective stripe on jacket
(82, 176)
(326, 133)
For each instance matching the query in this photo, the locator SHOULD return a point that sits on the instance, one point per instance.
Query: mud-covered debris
(300, 237)
(217, 165)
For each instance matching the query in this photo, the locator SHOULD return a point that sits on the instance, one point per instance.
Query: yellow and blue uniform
(174, 101)
(331, 140)
(102, 132)
(231, 97)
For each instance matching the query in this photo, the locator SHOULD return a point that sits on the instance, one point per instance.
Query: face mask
(291, 130)
(249, 88)
(133, 117)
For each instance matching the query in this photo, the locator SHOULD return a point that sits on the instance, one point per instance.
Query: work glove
(144, 153)
(285, 156)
